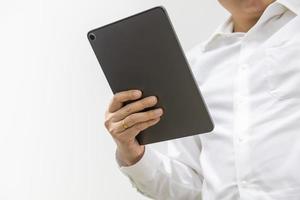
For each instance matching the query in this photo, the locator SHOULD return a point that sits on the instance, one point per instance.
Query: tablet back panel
(143, 52)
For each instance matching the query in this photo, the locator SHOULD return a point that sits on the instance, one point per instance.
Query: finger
(137, 118)
(121, 97)
(134, 107)
(133, 131)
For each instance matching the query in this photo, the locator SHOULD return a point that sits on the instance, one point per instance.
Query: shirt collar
(292, 5)
(224, 29)
(227, 27)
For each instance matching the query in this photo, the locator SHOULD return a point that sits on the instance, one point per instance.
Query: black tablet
(143, 52)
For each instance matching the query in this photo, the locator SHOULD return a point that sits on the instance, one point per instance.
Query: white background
(53, 145)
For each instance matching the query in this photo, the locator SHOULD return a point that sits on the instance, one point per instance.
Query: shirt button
(244, 183)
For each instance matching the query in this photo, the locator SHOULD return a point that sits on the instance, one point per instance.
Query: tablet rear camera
(92, 36)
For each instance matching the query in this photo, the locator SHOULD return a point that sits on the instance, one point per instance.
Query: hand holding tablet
(142, 52)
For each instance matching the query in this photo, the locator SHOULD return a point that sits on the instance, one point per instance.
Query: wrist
(128, 157)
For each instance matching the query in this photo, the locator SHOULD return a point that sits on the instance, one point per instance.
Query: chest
(266, 70)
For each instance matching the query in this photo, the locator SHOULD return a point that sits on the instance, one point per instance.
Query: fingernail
(137, 93)
(158, 111)
(154, 98)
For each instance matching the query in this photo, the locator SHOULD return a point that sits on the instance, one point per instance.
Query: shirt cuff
(145, 168)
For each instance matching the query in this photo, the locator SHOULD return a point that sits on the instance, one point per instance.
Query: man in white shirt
(249, 75)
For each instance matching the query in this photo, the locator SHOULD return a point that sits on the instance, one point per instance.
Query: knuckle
(108, 118)
(110, 130)
(128, 109)
(106, 123)
(113, 131)
(115, 98)
(130, 119)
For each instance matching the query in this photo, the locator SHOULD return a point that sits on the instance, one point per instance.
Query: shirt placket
(241, 118)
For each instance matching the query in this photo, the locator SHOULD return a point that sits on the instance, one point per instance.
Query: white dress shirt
(251, 84)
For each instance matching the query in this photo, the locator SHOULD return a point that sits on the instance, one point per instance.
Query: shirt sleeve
(176, 175)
